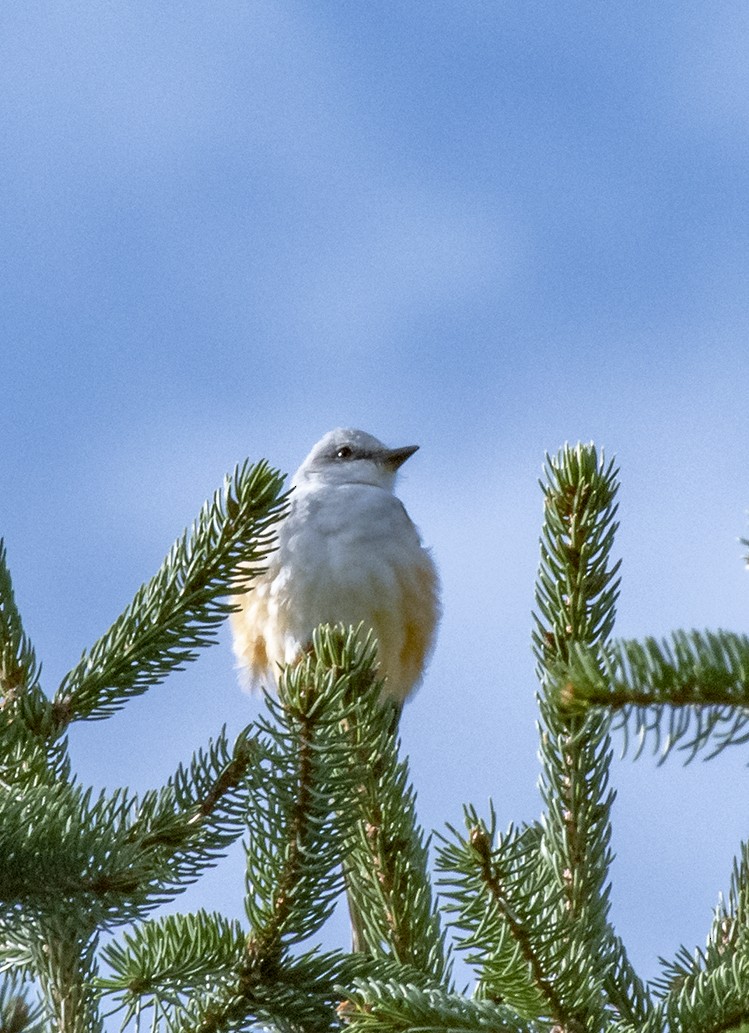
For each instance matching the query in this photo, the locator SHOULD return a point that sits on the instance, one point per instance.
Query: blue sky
(487, 228)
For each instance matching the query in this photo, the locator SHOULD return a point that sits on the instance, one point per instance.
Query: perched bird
(347, 553)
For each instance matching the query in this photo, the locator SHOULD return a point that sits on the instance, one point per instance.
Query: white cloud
(407, 252)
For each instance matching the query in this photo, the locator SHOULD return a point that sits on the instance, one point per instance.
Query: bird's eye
(344, 452)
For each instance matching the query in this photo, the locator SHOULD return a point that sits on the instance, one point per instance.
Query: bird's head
(346, 456)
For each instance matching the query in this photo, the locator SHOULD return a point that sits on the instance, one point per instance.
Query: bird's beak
(395, 457)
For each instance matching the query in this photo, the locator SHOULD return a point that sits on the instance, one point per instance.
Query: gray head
(346, 456)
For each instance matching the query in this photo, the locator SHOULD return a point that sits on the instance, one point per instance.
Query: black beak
(395, 457)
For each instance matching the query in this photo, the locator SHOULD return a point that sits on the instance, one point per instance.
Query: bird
(347, 553)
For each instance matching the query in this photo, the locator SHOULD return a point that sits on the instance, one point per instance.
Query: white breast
(348, 554)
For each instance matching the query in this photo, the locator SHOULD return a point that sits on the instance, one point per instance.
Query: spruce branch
(186, 969)
(674, 973)
(577, 587)
(179, 611)
(302, 996)
(627, 994)
(305, 804)
(689, 691)
(688, 984)
(113, 857)
(301, 809)
(729, 933)
(299, 828)
(26, 754)
(16, 936)
(163, 961)
(506, 907)
(390, 897)
(65, 965)
(387, 1007)
(17, 1014)
(576, 596)
(186, 825)
(705, 1000)
(19, 670)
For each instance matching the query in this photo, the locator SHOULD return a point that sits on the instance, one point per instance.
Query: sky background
(488, 228)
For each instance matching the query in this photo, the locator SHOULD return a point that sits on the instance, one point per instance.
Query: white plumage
(347, 552)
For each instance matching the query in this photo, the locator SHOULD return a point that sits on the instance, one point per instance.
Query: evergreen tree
(318, 789)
